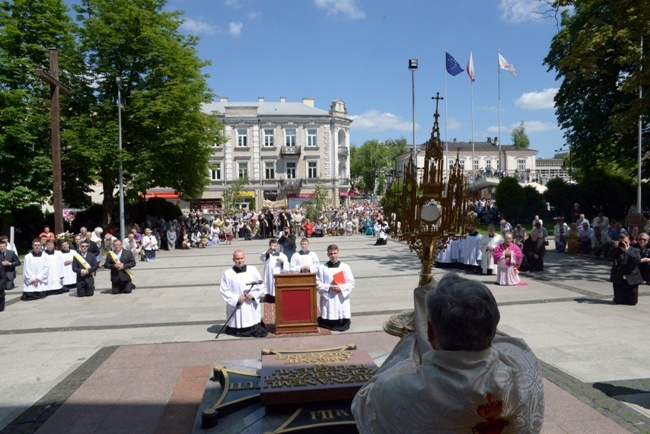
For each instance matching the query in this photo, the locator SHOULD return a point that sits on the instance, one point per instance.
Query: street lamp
(413, 65)
(118, 80)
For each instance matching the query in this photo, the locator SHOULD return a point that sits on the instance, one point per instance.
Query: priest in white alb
(488, 243)
(456, 373)
(275, 262)
(304, 260)
(242, 288)
(35, 273)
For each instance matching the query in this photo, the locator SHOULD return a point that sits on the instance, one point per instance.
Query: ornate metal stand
(431, 214)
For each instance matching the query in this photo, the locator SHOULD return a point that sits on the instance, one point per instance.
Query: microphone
(255, 282)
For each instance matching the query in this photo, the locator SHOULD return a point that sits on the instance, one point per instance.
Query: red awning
(301, 195)
(161, 194)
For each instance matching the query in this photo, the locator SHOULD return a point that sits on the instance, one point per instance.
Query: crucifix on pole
(52, 78)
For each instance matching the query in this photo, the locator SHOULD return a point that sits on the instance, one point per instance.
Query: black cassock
(529, 250)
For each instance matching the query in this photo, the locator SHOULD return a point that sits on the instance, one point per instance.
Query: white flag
(470, 67)
(503, 64)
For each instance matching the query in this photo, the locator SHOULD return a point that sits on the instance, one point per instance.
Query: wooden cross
(52, 78)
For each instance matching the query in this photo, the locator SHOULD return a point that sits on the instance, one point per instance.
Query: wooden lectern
(295, 303)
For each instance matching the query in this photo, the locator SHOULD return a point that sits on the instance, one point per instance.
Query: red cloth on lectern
(295, 305)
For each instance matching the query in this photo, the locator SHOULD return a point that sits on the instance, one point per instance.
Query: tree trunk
(108, 204)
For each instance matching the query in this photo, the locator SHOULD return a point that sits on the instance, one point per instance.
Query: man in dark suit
(120, 262)
(625, 275)
(3, 285)
(9, 261)
(85, 265)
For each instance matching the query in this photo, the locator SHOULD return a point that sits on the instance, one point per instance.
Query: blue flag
(452, 65)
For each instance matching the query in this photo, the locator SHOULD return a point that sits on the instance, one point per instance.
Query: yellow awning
(246, 194)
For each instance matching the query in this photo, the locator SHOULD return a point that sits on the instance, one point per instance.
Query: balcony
(290, 151)
(343, 151)
(292, 183)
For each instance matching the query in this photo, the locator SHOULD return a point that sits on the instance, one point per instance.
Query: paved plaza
(139, 362)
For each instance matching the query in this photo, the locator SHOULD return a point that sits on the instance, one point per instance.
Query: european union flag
(452, 65)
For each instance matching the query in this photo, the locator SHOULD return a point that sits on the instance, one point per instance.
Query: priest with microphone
(242, 289)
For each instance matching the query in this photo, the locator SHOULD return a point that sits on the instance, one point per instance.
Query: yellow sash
(117, 261)
(82, 261)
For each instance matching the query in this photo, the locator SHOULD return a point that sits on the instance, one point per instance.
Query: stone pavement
(139, 362)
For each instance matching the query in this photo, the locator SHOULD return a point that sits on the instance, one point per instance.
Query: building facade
(488, 159)
(284, 149)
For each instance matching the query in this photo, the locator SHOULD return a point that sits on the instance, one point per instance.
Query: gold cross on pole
(52, 78)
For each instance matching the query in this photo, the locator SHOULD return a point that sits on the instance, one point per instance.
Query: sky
(358, 51)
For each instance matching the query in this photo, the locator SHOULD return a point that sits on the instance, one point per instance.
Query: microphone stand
(239, 303)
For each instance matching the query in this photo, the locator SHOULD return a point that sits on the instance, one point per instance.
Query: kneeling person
(120, 261)
(242, 294)
(334, 282)
(85, 265)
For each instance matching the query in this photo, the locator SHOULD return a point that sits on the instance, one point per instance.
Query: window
(291, 170)
(269, 138)
(312, 169)
(269, 170)
(462, 164)
(242, 138)
(451, 164)
(488, 164)
(311, 137)
(243, 170)
(521, 164)
(215, 172)
(475, 164)
(290, 137)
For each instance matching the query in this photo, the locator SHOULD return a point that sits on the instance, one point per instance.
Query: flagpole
(640, 158)
(472, 165)
(446, 168)
(499, 106)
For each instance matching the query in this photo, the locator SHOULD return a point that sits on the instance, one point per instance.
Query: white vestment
(55, 270)
(334, 305)
(35, 267)
(487, 259)
(272, 267)
(471, 252)
(235, 284)
(300, 259)
(495, 390)
(69, 276)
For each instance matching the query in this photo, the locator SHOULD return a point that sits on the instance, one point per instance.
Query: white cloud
(375, 121)
(537, 100)
(233, 4)
(519, 11)
(532, 127)
(234, 29)
(199, 26)
(252, 15)
(345, 7)
(453, 123)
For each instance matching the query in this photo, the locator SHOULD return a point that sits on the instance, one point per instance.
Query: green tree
(597, 56)
(561, 196)
(27, 29)
(510, 199)
(519, 137)
(533, 203)
(368, 162)
(319, 203)
(166, 138)
(232, 195)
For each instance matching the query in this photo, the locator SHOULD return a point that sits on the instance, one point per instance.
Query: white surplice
(69, 276)
(235, 284)
(273, 266)
(487, 258)
(300, 259)
(333, 305)
(55, 270)
(35, 267)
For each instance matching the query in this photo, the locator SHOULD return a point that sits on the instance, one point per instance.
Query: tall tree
(519, 137)
(166, 138)
(27, 29)
(597, 55)
(369, 162)
(511, 199)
